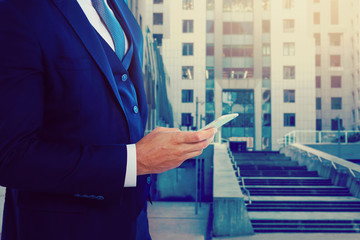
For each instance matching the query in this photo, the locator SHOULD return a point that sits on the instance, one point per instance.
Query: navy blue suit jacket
(64, 126)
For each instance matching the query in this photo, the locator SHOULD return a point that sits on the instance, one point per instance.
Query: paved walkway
(177, 221)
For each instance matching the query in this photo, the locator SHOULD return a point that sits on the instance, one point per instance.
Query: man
(72, 116)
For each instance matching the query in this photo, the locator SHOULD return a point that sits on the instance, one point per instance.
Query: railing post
(346, 137)
(320, 134)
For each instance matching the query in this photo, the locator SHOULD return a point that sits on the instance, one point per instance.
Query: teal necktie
(112, 25)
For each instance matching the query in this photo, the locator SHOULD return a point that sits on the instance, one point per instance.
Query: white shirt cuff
(130, 175)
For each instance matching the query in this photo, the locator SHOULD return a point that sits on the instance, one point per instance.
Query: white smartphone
(221, 121)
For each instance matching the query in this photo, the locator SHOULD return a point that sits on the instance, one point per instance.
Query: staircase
(286, 197)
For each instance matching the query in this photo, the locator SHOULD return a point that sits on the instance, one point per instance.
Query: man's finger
(195, 147)
(198, 136)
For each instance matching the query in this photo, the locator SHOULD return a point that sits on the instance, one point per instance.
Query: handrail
(243, 187)
(246, 190)
(352, 167)
(325, 136)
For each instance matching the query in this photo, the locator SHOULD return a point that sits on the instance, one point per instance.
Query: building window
(266, 50)
(267, 120)
(186, 119)
(318, 103)
(238, 28)
(209, 73)
(336, 103)
(158, 19)
(334, 12)
(188, 49)
(318, 124)
(289, 72)
(289, 25)
(336, 124)
(289, 96)
(289, 119)
(318, 60)
(188, 26)
(238, 5)
(266, 5)
(209, 49)
(187, 72)
(288, 4)
(209, 95)
(238, 51)
(238, 73)
(335, 81)
(210, 5)
(158, 38)
(317, 39)
(266, 72)
(335, 60)
(316, 18)
(187, 96)
(335, 39)
(266, 26)
(158, 1)
(318, 82)
(289, 49)
(209, 26)
(188, 4)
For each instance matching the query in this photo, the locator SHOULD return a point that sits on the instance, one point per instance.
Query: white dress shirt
(100, 27)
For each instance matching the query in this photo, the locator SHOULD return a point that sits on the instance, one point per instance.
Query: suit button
(136, 109)
(124, 77)
(148, 180)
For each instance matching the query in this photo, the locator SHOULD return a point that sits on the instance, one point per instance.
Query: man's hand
(167, 148)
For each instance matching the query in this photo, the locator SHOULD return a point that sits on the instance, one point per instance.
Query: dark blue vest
(128, 96)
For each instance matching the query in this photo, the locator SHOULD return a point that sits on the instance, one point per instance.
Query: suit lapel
(77, 19)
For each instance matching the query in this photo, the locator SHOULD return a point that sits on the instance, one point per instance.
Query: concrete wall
(345, 151)
(229, 210)
(180, 184)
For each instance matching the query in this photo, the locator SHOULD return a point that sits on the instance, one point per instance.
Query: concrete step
(287, 178)
(279, 173)
(294, 206)
(288, 182)
(348, 199)
(292, 187)
(307, 216)
(350, 226)
(265, 161)
(246, 167)
(268, 163)
(300, 192)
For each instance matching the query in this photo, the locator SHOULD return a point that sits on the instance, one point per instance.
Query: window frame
(188, 26)
(184, 71)
(188, 49)
(289, 120)
(187, 98)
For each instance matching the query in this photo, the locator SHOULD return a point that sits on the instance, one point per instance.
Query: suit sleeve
(28, 162)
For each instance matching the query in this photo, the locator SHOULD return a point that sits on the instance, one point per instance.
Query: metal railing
(241, 180)
(336, 162)
(311, 137)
